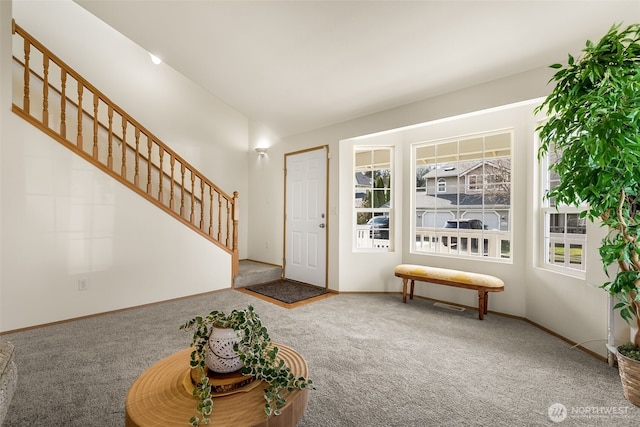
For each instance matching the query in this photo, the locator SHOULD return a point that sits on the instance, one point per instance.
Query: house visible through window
(372, 206)
(470, 213)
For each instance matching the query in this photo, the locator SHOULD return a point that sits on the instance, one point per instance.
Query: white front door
(306, 217)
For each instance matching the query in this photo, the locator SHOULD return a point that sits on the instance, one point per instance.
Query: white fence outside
(489, 243)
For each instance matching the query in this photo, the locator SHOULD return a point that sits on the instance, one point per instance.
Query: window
(564, 231)
(474, 183)
(462, 193)
(373, 198)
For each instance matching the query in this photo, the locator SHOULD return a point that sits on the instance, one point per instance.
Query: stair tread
(253, 272)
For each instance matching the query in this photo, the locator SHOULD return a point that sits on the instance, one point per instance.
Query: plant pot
(220, 356)
(629, 370)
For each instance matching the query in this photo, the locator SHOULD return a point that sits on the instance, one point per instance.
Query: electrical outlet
(266, 245)
(83, 284)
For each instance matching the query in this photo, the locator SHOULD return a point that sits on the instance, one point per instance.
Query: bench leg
(404, 290)
(486, 302)
(482, 303)
(413, 284)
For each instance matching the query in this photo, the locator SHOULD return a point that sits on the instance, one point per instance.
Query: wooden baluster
(110, 139)
(219, 217)
(210, 211)
(236, 218)
(27, 74)
(45, 90)
(149, 143)
(201, 203)
(96, 125)
(123, 169)
(160, 174)
(173, 164)
(136, 174)
(193, 196)
(63, 103)
(79, 139)
(182, 190)
(229, 214)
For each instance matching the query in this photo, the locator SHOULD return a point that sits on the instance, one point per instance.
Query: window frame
(365, 238)
(478, 184)
(429, 232)
(547, 238)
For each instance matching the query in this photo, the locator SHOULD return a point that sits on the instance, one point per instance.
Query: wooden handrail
(86, 115)
(112, 140)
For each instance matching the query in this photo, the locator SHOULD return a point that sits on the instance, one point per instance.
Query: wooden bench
(482, 283)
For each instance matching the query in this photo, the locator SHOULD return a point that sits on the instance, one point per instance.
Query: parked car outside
(465, 224)
(379, 227)
(472, 224)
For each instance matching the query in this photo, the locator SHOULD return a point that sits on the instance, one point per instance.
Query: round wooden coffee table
(161, 396)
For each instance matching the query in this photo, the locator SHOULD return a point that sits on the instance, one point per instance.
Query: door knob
(321, 225)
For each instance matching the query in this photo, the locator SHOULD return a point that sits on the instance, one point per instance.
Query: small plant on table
(257, 353)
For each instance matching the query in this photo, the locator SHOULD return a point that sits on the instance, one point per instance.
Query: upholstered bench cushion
(462, 277)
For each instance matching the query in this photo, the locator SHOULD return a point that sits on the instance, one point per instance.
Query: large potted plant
(594, 127)
(256, 352)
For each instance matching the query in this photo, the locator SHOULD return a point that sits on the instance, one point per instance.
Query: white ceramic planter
(220, 356)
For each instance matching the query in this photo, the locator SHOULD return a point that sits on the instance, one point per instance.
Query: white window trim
(547, 239)
(385, 211)
(414, 234)
(544, 236)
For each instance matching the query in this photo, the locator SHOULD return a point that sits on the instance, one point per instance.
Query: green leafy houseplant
(594, 127)
(256, 351)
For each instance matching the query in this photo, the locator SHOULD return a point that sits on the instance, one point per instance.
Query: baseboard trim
(332, 292)
(103, 313)
(524, 319)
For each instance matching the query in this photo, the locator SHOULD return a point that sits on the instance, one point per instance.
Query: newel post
(235, 214)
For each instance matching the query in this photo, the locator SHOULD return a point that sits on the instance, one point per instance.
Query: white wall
(267, 179)
(5, 107)
(64, 222)
(571, 307)
(38, 265)
(198, 126)
(515, 118)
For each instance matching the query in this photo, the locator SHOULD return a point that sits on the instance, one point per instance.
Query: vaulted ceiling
(294, 66)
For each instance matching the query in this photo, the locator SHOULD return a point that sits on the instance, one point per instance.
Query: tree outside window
(373, 198)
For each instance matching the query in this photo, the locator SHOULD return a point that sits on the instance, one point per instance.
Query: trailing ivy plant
(257, 353)
(594, 126)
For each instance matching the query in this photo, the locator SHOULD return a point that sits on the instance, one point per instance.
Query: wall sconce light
(262, 151)
(155, 59)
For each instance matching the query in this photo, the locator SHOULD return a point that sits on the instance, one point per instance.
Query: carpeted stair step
(253, 272)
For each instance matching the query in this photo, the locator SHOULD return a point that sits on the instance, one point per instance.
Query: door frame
(326, 209)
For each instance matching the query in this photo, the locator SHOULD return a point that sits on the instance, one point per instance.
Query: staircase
(65, 106)
(253, 272)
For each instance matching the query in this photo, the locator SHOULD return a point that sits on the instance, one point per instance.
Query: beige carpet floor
(375, 362)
